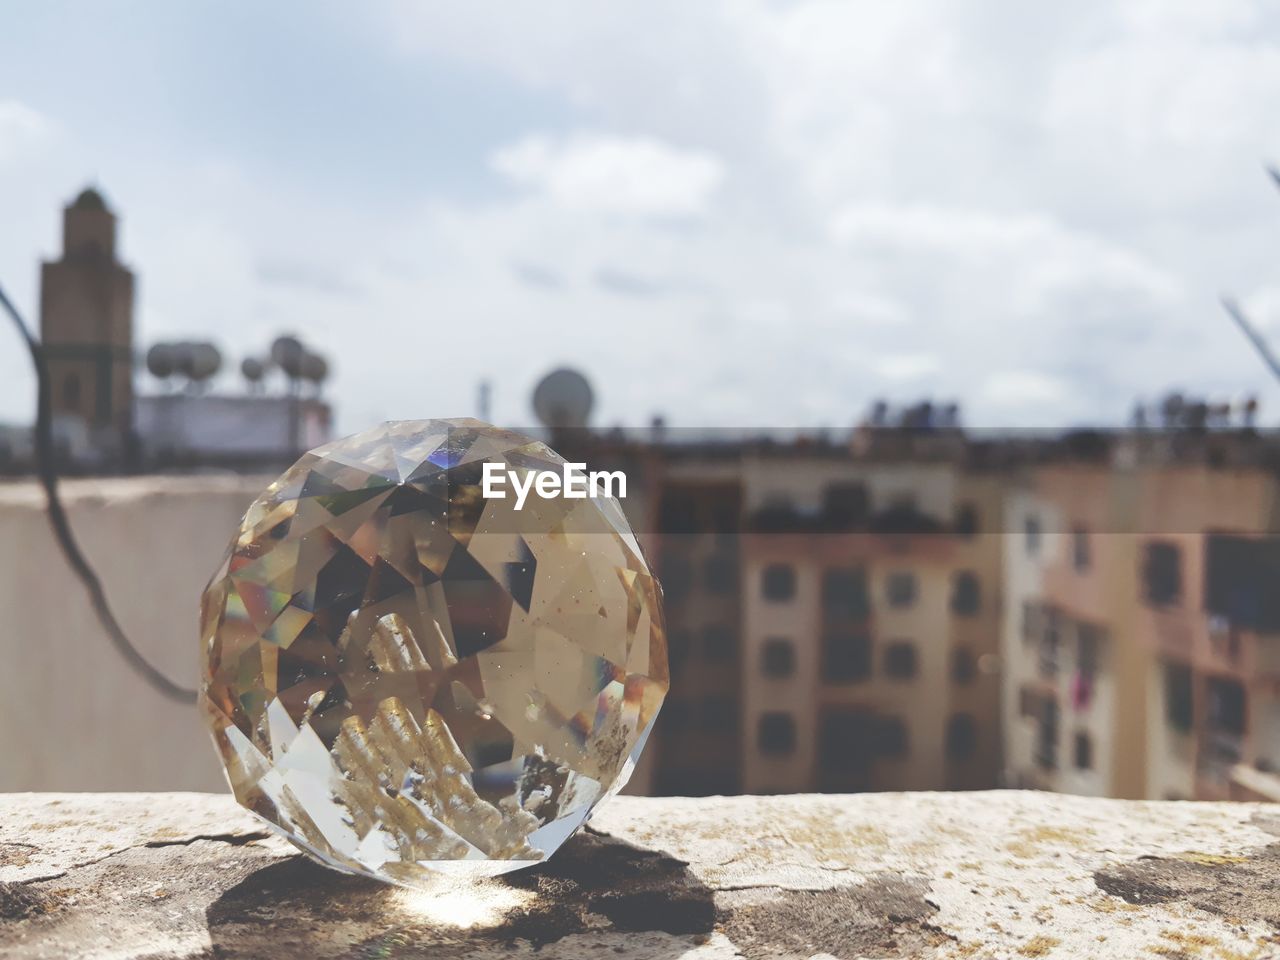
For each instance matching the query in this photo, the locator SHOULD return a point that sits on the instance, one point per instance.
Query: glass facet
(407, 678)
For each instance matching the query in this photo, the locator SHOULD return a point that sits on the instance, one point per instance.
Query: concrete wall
(73, 716)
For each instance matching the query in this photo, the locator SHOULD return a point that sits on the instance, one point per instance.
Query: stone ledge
(1006, 874)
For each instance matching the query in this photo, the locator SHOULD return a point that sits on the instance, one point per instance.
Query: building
(833, 618)
(86, 324)
(234, 431)
(1141, 646)
(869, 652)
(100, 423)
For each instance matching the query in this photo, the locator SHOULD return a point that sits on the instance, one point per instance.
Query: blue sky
(733, 213)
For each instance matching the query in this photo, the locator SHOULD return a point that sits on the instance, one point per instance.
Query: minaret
(86, 322)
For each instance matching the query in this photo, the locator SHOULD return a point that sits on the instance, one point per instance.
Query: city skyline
(731, 199)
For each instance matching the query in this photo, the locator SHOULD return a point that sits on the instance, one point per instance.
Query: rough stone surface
(998, 875)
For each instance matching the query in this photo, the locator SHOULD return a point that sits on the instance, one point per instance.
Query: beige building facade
(1139, 641)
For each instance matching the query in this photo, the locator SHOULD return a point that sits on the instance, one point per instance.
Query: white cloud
(1262, 307)
(23, 131)
(907, 366)
(1021, 387)
(957, 230)
(637, 176)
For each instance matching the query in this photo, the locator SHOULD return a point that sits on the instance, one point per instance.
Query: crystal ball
(406, 675)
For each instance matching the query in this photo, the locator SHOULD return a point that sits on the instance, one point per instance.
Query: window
(846, 657)
(904, 501)
(844, 594)
(900, 660)
(1030, 704)
(677, 575)
(1032, 621)
(966, 594)
(900, 588)
(1226, 706)
(1162, 574)
(720, 572)
(1050, 644)
(1031, 534)
(776, 734)
(966, 524)
(1046, 749)
(1238, 582)
(1177, 697)
(962, 737)
(891, 738)
(724, 520)
(846, 738)
(963, 668)
(778, 582)
(677, 647)
(1084, 751)
(675, 715)
(1081, 549)
(778, 658)
(902, 515)
(777, 514)
(1088, 642)
(720, 714)
(845, 506)
(678, 513)
(719, 642)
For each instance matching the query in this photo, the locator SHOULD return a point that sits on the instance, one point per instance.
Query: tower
(86, 322)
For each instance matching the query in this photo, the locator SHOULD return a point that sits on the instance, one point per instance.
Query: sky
(739, 213)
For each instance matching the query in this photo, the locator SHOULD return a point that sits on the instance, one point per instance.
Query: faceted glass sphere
(406, 677)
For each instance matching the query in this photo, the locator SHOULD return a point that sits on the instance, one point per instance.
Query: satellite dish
(160, 361)
(288, 353)
(206, 360)
(253, 369)
(563, 398)
(184, 361)
(313, 367)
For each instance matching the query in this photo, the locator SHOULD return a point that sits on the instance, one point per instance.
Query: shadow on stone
(21, 902)
(885, 916)
(594, 884)
(635, 889)
(1241, 888)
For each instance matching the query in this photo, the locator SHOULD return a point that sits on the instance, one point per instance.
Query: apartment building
(1141, 646)
(833, 621)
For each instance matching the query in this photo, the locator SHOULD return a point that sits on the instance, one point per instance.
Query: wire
(47, 472)
(1238, 315)
(1251, 333)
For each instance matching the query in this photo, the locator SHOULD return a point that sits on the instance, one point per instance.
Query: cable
(46, 470)
(1251, 332)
